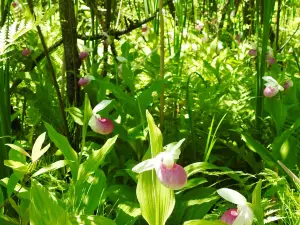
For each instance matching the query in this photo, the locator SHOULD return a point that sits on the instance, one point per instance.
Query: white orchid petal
(93, 121)
(280, 88)
(174, 148)
(101, 106)
(232, 196)
(270, 80)
(245, 216)
(148, 164)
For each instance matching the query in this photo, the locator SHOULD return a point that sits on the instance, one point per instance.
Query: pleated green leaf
(156, 201)
(63, 144)
(95, 159)
(44, 208)
(203, 222)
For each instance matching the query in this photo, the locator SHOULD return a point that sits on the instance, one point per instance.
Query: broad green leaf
(256, 203)
(12, 182)
(89, 195)
(53, 166)
(63, 144)
(16, 166)
(191, 183)
(121, 193)
(91, 220)
(19, 149)
(284, 147)
(1, 196)
(204, 222)
(156, 201)
(95, 159)
(198, 167)
(76, 115)
(128, 213)
(44, 208)
(6, 220)
(21, 192)
(255, 146)
(37, 150)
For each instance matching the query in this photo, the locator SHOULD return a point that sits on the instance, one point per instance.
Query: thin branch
(52, 72)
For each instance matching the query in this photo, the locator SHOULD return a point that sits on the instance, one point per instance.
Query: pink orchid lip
(83, 81)
(269, 92)
(83, 55)
(252, 52)
(26, 52)
(174, 178)
(230, 216)
(103, 126)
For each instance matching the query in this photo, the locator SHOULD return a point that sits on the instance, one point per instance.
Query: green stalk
(261, 65)
(162, 62)
(4, 118)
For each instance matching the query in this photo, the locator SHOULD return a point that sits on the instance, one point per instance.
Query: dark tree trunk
(69, 35)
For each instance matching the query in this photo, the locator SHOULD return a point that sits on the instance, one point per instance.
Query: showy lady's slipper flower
(272, 87)
(170, 174)
(243, 215)
(83, 55)
(85, 80)
(98, 124)
(288, 84)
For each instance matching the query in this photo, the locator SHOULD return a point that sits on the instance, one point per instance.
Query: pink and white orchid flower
(170, 174)
(244, 212)
(272, 87)
(85, 80)
(98, 124)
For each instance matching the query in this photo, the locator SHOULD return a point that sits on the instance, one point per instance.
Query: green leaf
(16, 166)
(53, 166)
(256, 203)
(90, 195)
(76, 114)
(128, 213)
(156, 201)
(44, 208)
(95, 159)
(91, 220)
(62, 143)
(12, 182)
(6, 220)
(255, 146)
(282, 147)
(19, 190)
(37, 152)
(19, 149)
(204, 222)
(86, 117)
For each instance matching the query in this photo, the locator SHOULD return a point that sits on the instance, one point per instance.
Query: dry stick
(52, 72)
(162, 56)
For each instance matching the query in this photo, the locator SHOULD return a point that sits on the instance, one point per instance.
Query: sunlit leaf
(156, 201)
(53, 166)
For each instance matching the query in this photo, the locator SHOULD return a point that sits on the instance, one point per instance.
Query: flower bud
(26, 52)
(145, 29)
(229, 216)
(83, 55)
(288, 84)
(270, 60)
(252, 52)
(101, 125)
(174, 178)
(270, 92)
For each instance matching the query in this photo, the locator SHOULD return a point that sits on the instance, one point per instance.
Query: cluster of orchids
(170, 174)
(273, 87)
